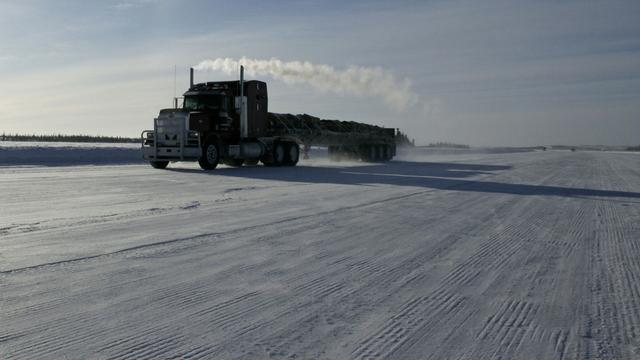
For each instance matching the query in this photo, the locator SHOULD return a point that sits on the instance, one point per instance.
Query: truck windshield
(205, 102)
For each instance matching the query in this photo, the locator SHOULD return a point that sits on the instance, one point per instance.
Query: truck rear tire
(279, 154)
(158, 164)
(210, 156)
(292, 154)
(276, 157)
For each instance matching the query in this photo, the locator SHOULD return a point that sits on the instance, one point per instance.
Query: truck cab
(222, 121)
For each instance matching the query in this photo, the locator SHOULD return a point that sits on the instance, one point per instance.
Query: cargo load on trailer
(228, 122)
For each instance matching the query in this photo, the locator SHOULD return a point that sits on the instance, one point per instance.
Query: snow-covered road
(471, 256)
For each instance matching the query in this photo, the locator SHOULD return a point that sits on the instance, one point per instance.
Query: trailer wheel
(363, 152)
(210, 156)
(158, 164)
(292, 154)
(372, 153)
(388, 153)
(333, 153)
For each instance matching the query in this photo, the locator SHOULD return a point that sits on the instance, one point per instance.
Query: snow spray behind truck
(229, 122)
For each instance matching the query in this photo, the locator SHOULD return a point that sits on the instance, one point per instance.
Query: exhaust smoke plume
(355, 80)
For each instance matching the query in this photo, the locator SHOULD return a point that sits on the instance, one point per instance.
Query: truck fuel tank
(247, 150)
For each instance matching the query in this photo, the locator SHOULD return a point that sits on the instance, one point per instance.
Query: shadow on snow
(442, 176)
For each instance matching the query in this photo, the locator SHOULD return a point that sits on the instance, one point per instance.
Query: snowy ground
(456, 256)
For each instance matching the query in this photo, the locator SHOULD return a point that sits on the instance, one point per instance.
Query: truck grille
(170, 131)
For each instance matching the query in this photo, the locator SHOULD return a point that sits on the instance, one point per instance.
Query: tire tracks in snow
(615, 304)
(495, 276)
(519, 322)
(235, 231)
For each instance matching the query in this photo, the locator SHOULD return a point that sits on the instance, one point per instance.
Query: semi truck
(228, 122)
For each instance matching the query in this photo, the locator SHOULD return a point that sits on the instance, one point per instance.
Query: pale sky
(486, 72)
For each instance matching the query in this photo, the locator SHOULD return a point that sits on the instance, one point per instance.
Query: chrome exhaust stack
(244, 123)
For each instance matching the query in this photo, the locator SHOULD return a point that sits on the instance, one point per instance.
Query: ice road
(530, 255)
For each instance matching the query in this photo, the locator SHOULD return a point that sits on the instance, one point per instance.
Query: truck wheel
(363, 152)
(234, 162)
(156, 164)
(292, 154)
(210, 156)
(333, 153)
(372, 154)
(278, 154)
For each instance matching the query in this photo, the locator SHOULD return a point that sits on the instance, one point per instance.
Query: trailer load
(228, 122)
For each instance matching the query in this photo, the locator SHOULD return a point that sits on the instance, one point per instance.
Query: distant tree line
(633, 148)
(442, 144)
(67, 138)
(403, 140)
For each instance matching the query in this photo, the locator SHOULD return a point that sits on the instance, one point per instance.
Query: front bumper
(170, 153)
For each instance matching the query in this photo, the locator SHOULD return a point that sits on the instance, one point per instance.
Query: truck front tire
(210, 156)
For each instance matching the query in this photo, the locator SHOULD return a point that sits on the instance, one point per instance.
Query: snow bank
(446, 154)
(60, 154)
